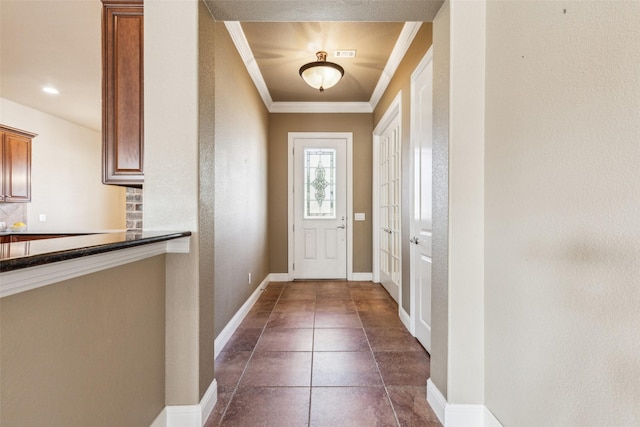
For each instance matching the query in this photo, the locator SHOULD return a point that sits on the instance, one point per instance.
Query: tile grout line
(384, 385)
(235, 389)
(313, 346)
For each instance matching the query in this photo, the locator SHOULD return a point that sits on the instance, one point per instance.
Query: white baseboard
(454, 415)
(436, 400)
(189, 415)
(279, 277)
(356, 277)
(362, 277)
(209, 400)
(406, 320)
(225, 335)
(161, 419)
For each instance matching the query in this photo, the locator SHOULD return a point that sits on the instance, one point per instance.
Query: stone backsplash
(10, 213)
(134, 209)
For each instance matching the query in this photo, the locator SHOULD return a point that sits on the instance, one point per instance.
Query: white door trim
(394, 110)
(290, 220)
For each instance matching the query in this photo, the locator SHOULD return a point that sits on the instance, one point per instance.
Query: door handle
(342, 226)
(414, 240)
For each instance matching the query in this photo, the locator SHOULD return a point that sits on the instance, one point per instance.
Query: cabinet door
(17, 168)
(2, 178)
(123, 92)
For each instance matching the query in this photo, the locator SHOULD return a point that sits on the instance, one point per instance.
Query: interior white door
(389, 197)
(421, 218)
(320, 208)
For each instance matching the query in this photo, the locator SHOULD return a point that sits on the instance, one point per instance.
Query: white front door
(389, 201)
(320, 208)
(421, 217)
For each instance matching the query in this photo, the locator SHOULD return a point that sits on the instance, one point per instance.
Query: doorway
(320, 205)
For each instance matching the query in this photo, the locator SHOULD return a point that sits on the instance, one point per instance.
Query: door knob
(342, 226)
(414, 240)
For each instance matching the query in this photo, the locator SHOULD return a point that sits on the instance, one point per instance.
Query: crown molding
(405, 39)
(408, 33)
(242, 45)
(320, 107)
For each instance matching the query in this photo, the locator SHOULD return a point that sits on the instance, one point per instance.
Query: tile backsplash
(134, 209)
(10, 213)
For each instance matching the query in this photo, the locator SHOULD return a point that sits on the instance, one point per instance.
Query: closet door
(389, 196)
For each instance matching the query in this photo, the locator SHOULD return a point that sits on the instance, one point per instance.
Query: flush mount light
(321, 74)
(51, 90)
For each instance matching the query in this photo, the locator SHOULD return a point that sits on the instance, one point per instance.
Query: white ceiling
(58, 43)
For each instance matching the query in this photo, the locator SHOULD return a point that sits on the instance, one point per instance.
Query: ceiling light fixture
(321, 74)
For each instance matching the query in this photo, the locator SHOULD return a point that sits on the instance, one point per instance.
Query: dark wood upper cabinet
(15, 164)
(123, 92)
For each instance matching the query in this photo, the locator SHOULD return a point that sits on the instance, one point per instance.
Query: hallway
(326, 353)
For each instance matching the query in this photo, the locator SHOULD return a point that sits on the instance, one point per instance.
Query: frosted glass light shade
(321, 74)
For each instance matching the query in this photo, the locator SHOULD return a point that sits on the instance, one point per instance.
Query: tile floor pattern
(325, 353)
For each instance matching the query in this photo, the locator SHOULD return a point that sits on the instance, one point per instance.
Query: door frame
(292, 136)
(394, 110)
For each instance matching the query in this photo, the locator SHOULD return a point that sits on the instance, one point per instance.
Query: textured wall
(562, 213)
(206, 244)
(85, 351)
(171, 187)
(440, 272)
(280, 126)
(240, 171)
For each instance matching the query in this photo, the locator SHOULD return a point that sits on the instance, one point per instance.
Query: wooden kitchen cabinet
(122, 92)
(15, 164)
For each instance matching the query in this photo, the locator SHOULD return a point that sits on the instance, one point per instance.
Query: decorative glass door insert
(319, 183)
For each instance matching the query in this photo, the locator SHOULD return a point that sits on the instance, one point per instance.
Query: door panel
(320, 208)
(421, 218)
(389, 196)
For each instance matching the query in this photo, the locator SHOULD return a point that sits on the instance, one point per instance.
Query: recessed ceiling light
(51, 90)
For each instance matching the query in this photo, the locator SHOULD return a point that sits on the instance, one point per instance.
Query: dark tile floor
(326, 353)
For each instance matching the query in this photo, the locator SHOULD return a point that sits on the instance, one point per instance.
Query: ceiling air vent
(344, 54)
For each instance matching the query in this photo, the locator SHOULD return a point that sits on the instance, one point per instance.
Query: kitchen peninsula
(76, 254)
(82, 322)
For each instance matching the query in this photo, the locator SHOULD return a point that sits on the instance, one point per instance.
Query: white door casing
(422, 203)
(320, 240)
(387, 167)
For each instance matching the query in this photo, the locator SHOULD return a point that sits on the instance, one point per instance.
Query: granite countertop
(31, 253)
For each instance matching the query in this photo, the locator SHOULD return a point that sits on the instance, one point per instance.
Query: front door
(320, 208)
(421, 218)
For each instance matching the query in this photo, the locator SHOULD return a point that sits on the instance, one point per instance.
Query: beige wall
(401, 81)
(171, 188)
(562, 213)
(466, 203)
(240, 183)
(86, 351)
(279, 127)
(66, 174)
(206, 244)
(440, 273)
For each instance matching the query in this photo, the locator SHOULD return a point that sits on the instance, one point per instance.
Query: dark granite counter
(30, 253)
